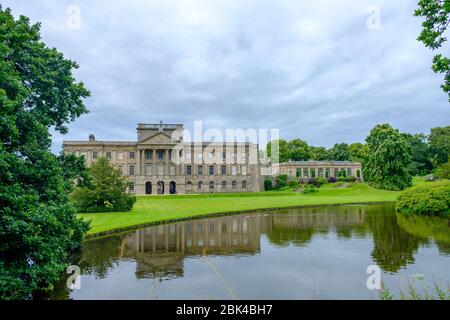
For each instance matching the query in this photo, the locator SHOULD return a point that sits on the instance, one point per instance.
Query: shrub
(281, 181)
(332, 180)
(313, 182)
(310, 189)
(429, 199)
(350, 179)
(341, 179)
(443, 171)
(106, 193)
(268, 184)
(321, 181)
(293, 183)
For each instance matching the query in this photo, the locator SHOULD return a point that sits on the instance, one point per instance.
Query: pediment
(158, 138)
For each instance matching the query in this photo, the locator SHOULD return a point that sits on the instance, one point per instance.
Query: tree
(358, 152)
(107, 192)
(443, 171)
(38, 225)
(298, 150)
(439, 141)
(437, 19)
(283, 151)
(339, 152)
(389, 158)
(319, 153)
(421, 157)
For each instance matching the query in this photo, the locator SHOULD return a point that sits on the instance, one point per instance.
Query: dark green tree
(298, 150)
(434, 28)
(389, 158)
(339, 152)
(439, 141)
(38, 226)
(283, 151)
(421, 156)
(319, 153)
(358, 152)
(106, 192)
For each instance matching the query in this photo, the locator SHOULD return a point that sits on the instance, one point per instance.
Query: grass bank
(153, 209)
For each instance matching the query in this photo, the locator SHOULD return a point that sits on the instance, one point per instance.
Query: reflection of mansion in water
(160, 250)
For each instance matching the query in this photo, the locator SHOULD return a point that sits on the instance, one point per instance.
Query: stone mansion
(160, 162)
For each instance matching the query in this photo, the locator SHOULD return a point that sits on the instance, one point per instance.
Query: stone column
(142, 162)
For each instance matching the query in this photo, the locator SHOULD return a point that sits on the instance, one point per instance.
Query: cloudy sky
(318, 70)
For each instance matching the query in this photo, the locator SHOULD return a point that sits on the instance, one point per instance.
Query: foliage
(74, 170)
(339, 152)
(319, 153)
(443, 171)
(281, 181)
(389, 158)
(358, 152)
(437, 19)
(293, 183)
(107, 192)
(439, 141)
(268, 185)
(332, 180)
(322, 181)
(310, 189)
(38, 226)
(298, 150)
(420, 151)
(281, 154)
(426, 199)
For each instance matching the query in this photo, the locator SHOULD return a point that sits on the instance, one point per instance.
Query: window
(94, 154)
(211, 185)
(200, 185)
(233, 185)
(160, 155)
(131, 170)
(234, 170)
(189, 185)
(119, 155)
(200, 170)
(224, 185)
(211, 170)
(108, 155)
(244, 170)
(149, 155)
(131, 187)
(131, 155)
(188, 170)
(244, 184)
(224, 155)
(224, 170)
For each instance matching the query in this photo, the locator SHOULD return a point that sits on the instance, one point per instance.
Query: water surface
(308, 253)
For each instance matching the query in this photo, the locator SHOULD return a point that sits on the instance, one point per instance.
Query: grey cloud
(312, 69)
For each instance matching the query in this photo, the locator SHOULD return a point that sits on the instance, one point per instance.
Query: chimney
(91, 138)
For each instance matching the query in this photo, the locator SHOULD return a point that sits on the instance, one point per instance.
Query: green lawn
(149, 209)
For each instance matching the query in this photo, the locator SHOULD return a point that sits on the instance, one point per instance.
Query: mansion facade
(160, 162)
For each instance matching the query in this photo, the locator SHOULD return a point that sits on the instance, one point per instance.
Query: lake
(306, 253)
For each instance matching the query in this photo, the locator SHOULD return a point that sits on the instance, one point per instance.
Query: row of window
(211, 170)
(323, 172)
(211, 185)
(149, 155)
(200, 185)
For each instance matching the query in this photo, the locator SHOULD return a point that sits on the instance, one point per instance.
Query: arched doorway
(160, 187)
(148, 187)
(172, 187)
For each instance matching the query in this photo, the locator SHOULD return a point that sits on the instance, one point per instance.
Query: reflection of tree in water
(282, 236)
(434, 228)
(100, 255)
(393, 247)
